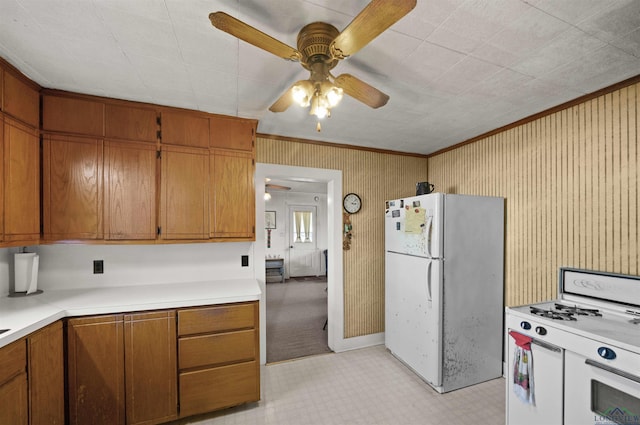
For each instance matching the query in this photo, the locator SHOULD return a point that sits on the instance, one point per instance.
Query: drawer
(217, 319)
(211, 350)
(217, 388)
(13, 360)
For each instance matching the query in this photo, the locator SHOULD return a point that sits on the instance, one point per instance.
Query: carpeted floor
(296, 313)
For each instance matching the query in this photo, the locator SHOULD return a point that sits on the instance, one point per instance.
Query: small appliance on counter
(25, 274)
(424, 188)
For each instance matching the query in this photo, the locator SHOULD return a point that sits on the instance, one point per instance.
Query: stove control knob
(540, 330)
(525, 325)
(606, 353)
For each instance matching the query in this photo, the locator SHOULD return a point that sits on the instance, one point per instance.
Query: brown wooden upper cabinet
(2, 176)
(130, 170)
(184, 129)
(20, 174)
(232, 133)
(102, 173)
(20, 100)
(232, 194)
(64, 114)
(19, 159)
(184, 197)
(72, 187)
(131, 123)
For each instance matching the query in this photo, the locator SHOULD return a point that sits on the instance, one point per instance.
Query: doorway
(332, 179)
(296, 307)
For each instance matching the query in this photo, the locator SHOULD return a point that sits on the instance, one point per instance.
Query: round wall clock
(352, 203)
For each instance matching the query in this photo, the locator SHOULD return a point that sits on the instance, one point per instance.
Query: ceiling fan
(320, 47)
(270, 186)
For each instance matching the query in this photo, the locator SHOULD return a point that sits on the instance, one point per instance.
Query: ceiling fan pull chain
(318, 128)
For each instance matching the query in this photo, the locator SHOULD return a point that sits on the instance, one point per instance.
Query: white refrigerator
(444, 280)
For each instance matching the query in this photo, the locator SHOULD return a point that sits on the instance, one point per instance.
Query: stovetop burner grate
(580, 311)
(552, 314)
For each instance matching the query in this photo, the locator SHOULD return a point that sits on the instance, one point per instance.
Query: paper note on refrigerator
(415, 221)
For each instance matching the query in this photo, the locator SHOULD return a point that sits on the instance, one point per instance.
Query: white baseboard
(356, 342)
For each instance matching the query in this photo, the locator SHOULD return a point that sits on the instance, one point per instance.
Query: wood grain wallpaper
(570, 180)
(376, 177)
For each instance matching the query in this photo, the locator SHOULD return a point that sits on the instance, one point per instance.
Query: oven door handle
(613, 370)
(547, 346)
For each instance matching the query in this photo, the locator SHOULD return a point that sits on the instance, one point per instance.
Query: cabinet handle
(547, 346)
(613, 370)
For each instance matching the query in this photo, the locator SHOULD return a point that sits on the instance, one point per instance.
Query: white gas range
(585, 353)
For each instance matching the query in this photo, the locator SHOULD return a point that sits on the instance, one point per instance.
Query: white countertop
(24, 315)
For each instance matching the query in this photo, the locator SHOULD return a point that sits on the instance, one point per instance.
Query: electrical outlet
(245, 261)
(98, 267)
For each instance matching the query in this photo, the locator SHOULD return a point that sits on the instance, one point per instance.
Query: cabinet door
(21, 100)
(151, 368)
(1, 176)
(184, 194)
(13, 401)
(232, 195)
(131, 123)
(72, 115)
(21, 182)
(72, 188)
(231, 133)
(130, 190)
(185, 129)
(46, 376)
(95, 363)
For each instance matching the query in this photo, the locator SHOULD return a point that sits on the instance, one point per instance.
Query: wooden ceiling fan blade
(372, 21)
(276, 187)
(253, 36)
(285, 100)
(361, 91)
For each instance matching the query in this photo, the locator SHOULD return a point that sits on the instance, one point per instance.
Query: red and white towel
(523, 368)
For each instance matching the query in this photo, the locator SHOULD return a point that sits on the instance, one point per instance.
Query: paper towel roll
(26, 272)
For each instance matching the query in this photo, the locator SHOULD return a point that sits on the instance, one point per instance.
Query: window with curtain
(302, 226)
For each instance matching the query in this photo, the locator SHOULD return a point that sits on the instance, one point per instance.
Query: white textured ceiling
(453, 69)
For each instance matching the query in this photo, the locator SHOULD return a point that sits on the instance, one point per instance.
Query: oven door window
(614, 406)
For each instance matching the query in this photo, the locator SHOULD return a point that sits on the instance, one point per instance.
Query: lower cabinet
(110, 356)
(218, 352)
(14, 401)
(46, 376)
(95, 368)
(32, 379)
(142, 368)
(218, 387)
(13, 384)
(150, 367)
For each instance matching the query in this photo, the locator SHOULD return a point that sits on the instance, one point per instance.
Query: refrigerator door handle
(429, 232)
(429, 296)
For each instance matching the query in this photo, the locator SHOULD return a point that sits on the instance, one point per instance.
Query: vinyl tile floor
(367, 386)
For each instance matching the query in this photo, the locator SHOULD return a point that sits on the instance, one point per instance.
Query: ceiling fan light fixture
(334, 96)
(319, 106)
(302, 93)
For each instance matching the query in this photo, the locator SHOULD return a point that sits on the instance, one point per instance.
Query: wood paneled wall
(376, 177)
(570, 180)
